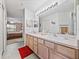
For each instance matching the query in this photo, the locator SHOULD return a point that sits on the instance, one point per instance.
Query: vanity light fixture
(51, 6)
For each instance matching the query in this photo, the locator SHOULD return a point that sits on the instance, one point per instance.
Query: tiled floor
(13, 53)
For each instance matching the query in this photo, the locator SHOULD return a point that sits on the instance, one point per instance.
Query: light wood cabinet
(35, 46)
(30, 42)
(35, 41)
(35, 49)
(40, 41)
(42, 51)
(51, 54)
(59, 56)
(49, 45)
(27, 40)
(54, 55)
(50, 50)
(69, 52)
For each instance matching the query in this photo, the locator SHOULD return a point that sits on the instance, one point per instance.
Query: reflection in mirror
(14, 29)
(60, 19)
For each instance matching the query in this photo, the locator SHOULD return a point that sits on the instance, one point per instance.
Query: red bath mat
(24, 52)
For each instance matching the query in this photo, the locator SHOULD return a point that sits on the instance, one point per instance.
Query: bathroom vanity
(50, 47)
(60, 21)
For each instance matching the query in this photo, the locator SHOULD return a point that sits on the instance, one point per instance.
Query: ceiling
(15, 7)
(33, 4)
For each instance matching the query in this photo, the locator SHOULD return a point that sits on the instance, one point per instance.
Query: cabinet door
(49, 44)
(51, 54)
(27, 40)
(42, 51)
(58, 56)
(31, 42)
(66, 51)
(35, 49)
(54, 55)
(35, 45)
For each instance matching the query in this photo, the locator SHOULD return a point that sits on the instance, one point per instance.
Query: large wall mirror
(59, 19)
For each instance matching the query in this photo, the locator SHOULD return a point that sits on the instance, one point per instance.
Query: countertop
(70, 42)
(13, 32)
(13, 35)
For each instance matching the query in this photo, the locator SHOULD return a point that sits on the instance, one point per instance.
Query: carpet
(25, 51)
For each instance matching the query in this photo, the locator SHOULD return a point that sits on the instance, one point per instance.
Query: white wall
(78, 21)
(30, 18)
(5, 23)
(2, 28)
(14, 8)
(28, 23)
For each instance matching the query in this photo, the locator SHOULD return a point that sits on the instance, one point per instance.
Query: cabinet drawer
(54, 55)
(35, 39)
(41, 41)
(50, 45)
(35, 42)
(30, 37)
(66, 51)
(59, 56)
